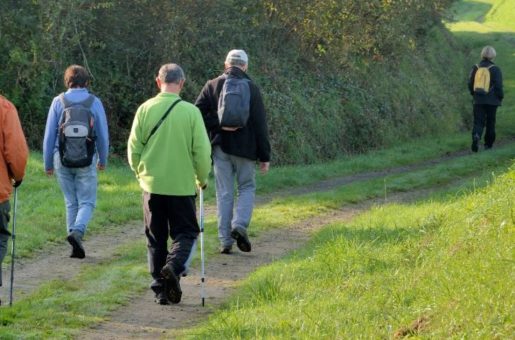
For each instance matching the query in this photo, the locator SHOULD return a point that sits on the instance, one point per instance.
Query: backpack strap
(161, 121)
(64, 101)
(488, 67)
(88, 102)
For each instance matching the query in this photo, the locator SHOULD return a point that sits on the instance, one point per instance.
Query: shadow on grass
(470, 11)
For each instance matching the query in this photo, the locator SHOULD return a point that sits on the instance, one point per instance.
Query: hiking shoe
(226, 250)
(475, 143)
(161, 299)
(172, 285)
(242, 240)
(75, 239)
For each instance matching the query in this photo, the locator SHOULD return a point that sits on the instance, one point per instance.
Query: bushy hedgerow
(337, 77)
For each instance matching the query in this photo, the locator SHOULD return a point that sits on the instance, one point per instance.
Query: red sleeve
(15, 149)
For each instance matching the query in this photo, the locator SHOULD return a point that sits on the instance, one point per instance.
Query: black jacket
(496, 94)
(249, 142)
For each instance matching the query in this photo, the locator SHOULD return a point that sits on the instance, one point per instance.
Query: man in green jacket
(170, 154)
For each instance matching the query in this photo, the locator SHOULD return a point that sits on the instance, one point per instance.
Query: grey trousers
(4, 232)
(229, 169)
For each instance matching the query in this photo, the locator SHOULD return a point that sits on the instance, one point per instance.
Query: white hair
(488, 52)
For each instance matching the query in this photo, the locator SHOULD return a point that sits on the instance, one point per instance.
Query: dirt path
(332, 183)
(56, 264)
(142, 318)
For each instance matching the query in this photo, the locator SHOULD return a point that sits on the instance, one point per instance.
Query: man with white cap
(236, 147)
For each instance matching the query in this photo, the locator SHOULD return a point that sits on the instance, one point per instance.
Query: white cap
(237, 55)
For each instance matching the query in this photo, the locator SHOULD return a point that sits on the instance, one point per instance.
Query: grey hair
(235, 62)
(171, 74)
(488, 52)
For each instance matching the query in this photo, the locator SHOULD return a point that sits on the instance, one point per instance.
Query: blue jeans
(229, 168)
(79, 186)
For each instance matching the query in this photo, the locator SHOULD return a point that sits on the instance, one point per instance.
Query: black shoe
(475, 143)
(488, 147)
(226, 250)
(161, 299)
(242, 240)
(172, 285)
(75, 240)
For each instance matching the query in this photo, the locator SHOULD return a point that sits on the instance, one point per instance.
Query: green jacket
(177, 154)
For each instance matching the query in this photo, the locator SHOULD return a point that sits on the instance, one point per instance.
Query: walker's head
(488, 52)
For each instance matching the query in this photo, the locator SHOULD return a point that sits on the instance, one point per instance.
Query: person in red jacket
(14, 154)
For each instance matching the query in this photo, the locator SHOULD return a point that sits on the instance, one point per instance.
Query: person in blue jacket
(79, 185)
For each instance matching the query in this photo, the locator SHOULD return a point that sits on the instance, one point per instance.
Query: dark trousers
(4, 232)
(169, 216)
(484, 116)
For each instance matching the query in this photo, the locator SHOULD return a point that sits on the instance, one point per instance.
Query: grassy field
(120, 197)
(428, 268)
(436, 269)
(62, 308)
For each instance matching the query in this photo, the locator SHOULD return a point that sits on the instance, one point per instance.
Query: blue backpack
(234, 103)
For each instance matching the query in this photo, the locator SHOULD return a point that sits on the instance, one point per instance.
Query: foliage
(325, 67)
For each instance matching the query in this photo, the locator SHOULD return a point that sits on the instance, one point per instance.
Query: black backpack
(76, 133)
(234, 103)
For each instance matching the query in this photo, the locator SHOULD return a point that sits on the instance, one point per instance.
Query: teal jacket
(179, 152)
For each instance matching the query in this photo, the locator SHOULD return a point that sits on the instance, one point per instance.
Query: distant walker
(485, 87)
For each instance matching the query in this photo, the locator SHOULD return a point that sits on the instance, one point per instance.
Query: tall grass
(434, 269)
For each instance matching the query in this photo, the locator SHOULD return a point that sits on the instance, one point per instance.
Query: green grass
(59, 309)
(62, 308)
(449, 264)
(119, 196)
(367, 279)
(41, 219)
(40, 198)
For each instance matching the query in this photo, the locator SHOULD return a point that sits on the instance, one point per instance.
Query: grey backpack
(76, 133)
(234, 103)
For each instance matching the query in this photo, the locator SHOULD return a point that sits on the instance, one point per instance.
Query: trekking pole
(202, 272)
(13, 236)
